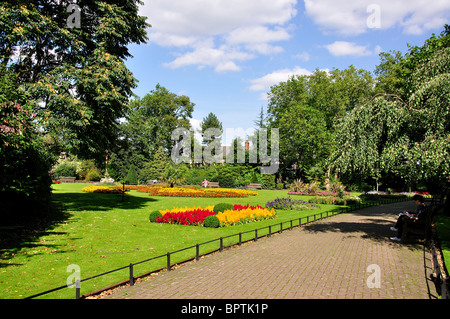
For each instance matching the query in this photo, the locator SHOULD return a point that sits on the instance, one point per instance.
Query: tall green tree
(151, 120)
(371, 138)
(396, 72)
(76, 77)
(211, 121)
(25, 158)
(307, 108)
(407, 139)
(155, 168)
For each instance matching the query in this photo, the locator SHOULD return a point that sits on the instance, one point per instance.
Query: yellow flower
(233, 217)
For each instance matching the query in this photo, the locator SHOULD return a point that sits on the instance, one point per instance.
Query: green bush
(280, 186)
(211, 221)
(66, 170)
(327, 200)
(131, 178)
(331, 200)
(93, 175)
(154, 215)
(268, 181)
(25, 157)
(221, 207)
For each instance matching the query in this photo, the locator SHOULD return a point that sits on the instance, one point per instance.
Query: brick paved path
(325, 259)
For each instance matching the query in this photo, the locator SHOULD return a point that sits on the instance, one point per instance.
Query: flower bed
(189, 217)
(195, 216)
(330, 200)
(185, 209)
(173, 191)
(290, 204)
(103, 189)
(192, 192)
(244, 214)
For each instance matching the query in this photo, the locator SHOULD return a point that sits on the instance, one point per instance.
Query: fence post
(77, 289)
(291, 224)
(168, 261)
(240, 239)
(197, 252)
(270, 231)
(131, 275)
(256, 234)
(221, 244)
(281, 227)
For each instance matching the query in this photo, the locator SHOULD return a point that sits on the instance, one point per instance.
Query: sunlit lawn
(102, 232)
(443, 231)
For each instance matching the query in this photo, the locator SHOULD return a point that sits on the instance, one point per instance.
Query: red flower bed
(240, 207)
(194, 217)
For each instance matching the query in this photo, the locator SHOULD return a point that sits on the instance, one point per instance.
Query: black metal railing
(255, 235)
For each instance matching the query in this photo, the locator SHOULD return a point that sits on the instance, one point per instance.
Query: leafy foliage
(211, 222)
(221, 207)
(306, 110)
(409, 140)
(154, 215)
(77, 76)
(25, 184)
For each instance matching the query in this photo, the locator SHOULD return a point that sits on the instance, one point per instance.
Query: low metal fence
(257, 233)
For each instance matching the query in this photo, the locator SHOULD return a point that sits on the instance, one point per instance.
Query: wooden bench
(213, 185)
(67, 179)
(419, 228)
(255, 186)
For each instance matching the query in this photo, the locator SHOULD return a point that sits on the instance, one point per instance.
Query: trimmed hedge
(154, 215)
(218, 208)
(211, 221)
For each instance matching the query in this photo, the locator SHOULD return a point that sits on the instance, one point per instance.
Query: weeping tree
(430, 121)
(410, 141)
(371, 138)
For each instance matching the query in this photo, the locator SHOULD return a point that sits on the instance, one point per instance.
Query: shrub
(66, 170)
(336, 186)
(154, 215)
(290, 204)
(298, 186)
(131, 176)
(222, 207)
(280, 186)
(331, 200)
(268, 181)
(211, 221)
(93, 175)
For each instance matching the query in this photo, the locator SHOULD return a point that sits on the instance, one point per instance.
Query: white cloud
(341, 48)
(350, 17)
(238, 30)
(222, 59)
(256, 34)
(304, 56)
(264, 83)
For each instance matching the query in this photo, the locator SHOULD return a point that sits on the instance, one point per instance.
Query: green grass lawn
(101, 232)
(443, 232)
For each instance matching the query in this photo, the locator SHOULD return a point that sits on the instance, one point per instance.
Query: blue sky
(225, 54)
